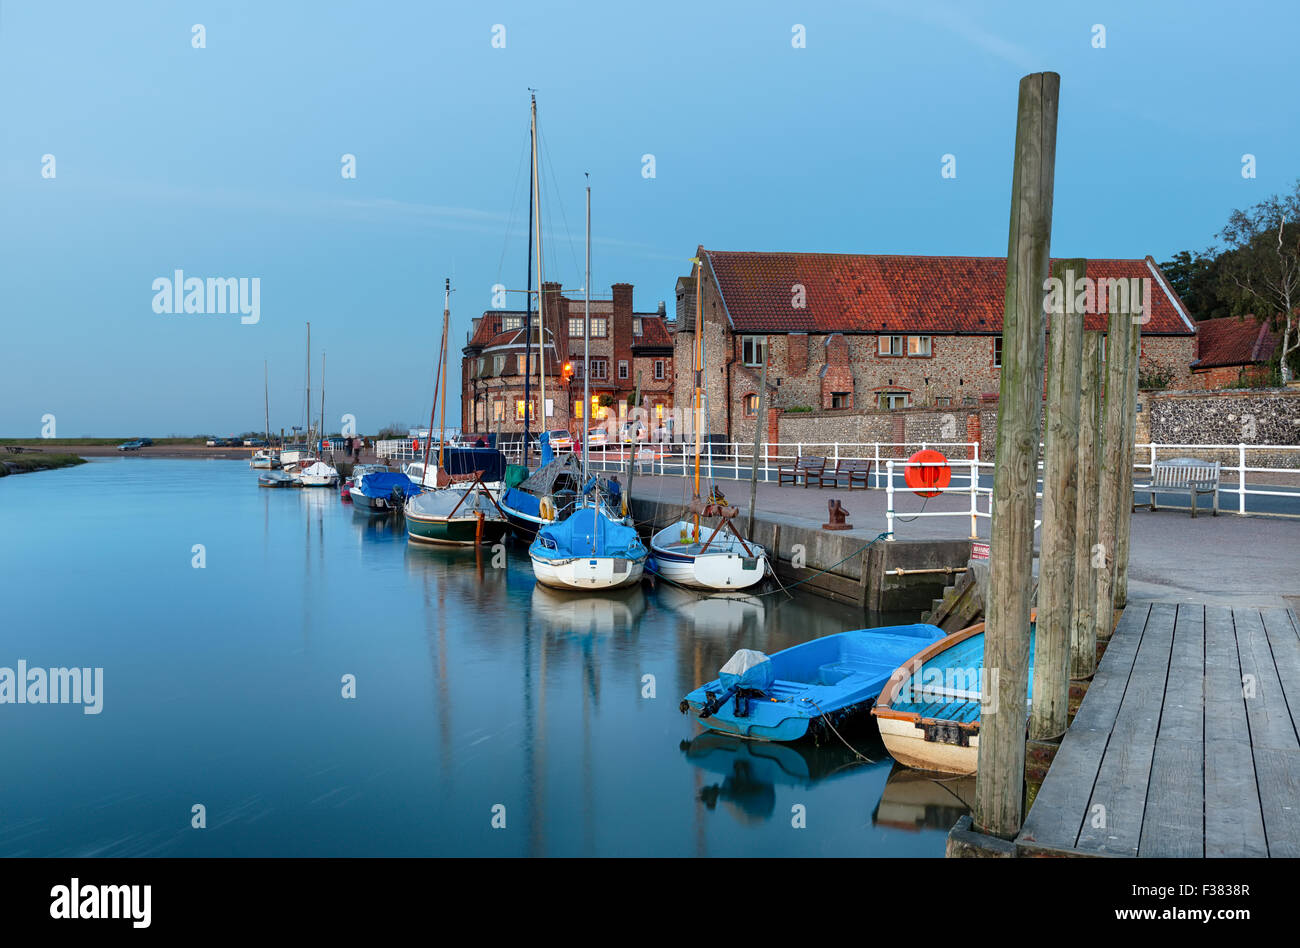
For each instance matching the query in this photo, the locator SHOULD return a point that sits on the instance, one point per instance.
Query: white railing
(734, 460)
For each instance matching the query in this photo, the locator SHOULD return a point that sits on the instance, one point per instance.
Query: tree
(1262, 269)
(1195, 276)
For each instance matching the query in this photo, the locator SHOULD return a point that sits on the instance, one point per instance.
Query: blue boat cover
(547, 454)
(522, 501)
(587, 532)
(381, 484)
(468, 460)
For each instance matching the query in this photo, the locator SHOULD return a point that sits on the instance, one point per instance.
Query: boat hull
(723, 568)
(461, 531)
(588, 572)
(907, 744)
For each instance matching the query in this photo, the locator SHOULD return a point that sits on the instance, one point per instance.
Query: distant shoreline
(107, 448)
(28, 462)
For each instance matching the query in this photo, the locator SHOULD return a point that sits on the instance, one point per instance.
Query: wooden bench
(1190, 474)
(805, 467)
(855, 470)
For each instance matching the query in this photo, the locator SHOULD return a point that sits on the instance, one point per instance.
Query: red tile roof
(888, 293)
(1233, 341)
(653, 332)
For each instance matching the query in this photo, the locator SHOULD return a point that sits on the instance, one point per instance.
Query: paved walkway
(1223, 560)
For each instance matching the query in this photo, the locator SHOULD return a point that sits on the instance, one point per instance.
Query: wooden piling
(1048, 716)
(1124, 513)
(1111, 454)
(999, 788)
(759, 422)
(1083, 636)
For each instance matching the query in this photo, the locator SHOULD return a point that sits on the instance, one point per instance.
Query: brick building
(845, 332)
(623, 343)
(1230, 351)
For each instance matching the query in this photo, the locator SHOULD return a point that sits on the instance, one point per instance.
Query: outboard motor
(747, 674)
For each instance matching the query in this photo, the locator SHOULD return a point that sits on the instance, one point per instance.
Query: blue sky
(225, 162)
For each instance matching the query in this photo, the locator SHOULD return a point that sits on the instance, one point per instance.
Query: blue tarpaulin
(522, 501)
(587, 532)
(381, 484)
(547, 454)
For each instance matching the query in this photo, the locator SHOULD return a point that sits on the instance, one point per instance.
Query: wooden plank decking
(1186, 744)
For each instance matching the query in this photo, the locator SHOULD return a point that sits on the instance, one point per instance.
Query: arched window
(751, 405)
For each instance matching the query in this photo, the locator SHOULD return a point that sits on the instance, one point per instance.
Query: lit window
(753, 350)
(575, 327)
(521, 364)
(511, 322)
(622, 368)
(659, 410)
(599, 326)
(498, 410)
(577, 409)
(918, 345)
(891, 346)
(521, 408)
(751, 406)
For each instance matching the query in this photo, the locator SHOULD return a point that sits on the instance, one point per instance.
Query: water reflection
(916, 800)
(751, 770)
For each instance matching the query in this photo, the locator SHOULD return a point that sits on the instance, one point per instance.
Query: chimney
(622, 302)
(663, 310)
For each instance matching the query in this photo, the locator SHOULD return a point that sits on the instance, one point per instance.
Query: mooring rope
(856, 753)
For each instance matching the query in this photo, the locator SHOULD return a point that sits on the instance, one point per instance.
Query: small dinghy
(382, 492)
(929, 712)
(588, 550)
(703, 557)
(276, 479)
(455, 516)
(824, 682)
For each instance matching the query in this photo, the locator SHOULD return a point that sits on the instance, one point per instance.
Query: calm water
(474, 687)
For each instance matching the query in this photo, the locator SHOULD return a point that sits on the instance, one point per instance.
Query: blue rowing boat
(808, 687)
(929, 712)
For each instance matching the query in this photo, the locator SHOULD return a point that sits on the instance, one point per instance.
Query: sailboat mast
(528, 294)
(322, 404)
(446, 317)
(266, 394)
(699, 377)
(306, 431)
(586, 343)
(541, 300)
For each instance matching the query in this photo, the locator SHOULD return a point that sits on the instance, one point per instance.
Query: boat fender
(546, 509)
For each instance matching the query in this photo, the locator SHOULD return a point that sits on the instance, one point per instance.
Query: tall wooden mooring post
(999, 789)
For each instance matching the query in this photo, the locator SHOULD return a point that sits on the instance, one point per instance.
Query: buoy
(546, 508)
(925, 480)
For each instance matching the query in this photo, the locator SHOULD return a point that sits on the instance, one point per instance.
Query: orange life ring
(925, 480)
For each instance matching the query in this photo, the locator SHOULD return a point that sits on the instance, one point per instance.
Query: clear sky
(225, 161)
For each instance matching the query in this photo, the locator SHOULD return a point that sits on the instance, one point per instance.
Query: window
(751, 405)
(918, 345)
(521, 364)
(891, 346)
(599, 326)
(498, 410)
(575, 327)
(997, 352)
(478, 412)
(598, 369)
(577, 369)
(753, 350)
(841, 400)
(481, 364)
(636, 325)
(498, 364)
(577, 409)
(659, 369)
(521, 406)
(943, 401)
(622, 368)
(659, 411)
(511, 322)
(891, 400)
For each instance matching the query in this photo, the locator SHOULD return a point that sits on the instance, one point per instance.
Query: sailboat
(461, 512)
(266, 459)
(589, 549)
(318, 473)
(683, 553)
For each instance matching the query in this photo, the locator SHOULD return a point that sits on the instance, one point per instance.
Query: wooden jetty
(1185, 744)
